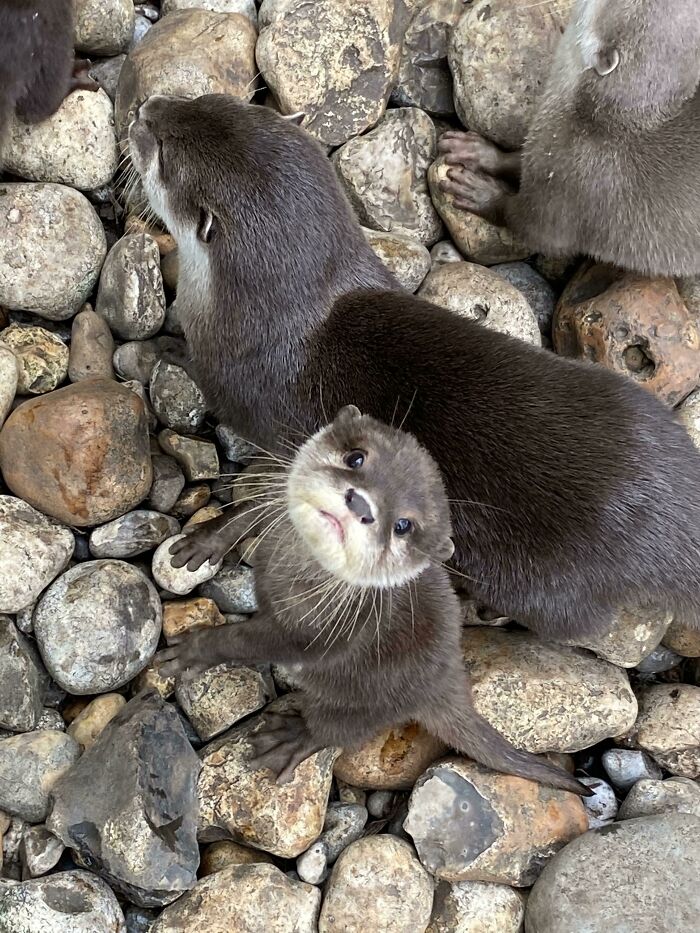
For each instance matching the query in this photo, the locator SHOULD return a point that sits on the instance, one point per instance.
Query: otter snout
(359, 506)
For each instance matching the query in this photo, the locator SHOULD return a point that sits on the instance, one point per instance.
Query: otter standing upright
(611, 165)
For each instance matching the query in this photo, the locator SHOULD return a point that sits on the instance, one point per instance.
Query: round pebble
(179, 580)
(66, 902)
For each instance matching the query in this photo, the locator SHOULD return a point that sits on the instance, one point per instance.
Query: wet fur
(575, 490)
(611, 165)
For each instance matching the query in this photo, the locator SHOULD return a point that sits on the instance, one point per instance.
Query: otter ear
(606, 61)
(295, 118)
(349, 413)
(446, 549)
(206, 228)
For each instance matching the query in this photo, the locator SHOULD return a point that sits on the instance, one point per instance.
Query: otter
(611, 164)
(573, 490)
(37, 65)
(352, 591)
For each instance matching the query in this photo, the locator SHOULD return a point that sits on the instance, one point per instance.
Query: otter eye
(354, 459)
(403, 526)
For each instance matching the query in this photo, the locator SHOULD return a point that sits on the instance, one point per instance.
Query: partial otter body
(37, 67)
(352, 591)
(573, 490)
(611, 165)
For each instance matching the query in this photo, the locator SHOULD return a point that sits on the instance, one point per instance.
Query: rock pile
(127, 802)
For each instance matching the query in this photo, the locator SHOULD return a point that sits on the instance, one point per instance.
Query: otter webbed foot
(282, 744)
(80, 80)
(473, 152)
(192, 654)
(207, 541)
(480, 194)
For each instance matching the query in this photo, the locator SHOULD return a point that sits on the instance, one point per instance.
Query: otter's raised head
(369, 502)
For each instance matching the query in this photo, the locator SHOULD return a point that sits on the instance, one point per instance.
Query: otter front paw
(199, 545)
(192, 654)
(282, 744)
(471, 151)
(480, 194)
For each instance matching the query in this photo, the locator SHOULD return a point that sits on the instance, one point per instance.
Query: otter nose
(359, 506)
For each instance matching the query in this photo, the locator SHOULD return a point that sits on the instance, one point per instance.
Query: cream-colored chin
(323, 545)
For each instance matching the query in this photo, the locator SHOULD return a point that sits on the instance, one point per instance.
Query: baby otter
(352, 591)
(611, 165)
(573, 490)
(37, 67)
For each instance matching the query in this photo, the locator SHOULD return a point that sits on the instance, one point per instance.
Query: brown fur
(611, 165)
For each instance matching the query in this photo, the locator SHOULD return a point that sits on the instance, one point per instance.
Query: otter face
(369, 502)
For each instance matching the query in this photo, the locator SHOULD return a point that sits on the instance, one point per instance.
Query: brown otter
(573, 490)
(611, 165)
(352, 591)
(37, 67)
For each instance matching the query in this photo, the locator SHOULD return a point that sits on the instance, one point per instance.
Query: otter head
(369, 502)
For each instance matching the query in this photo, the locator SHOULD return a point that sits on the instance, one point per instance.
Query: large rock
(128, 807)
(30, 766)
(633, 325)
(67, 902)
(80, 454)
(34, 549)
(377, 884)
(333, 60)
(132, 534)
(42, 358)
(500, 54)
(177, 399)
(131, 297)
(668, 727)
(189, 53)
(475, 907)
(97, 626)
(630, 637)
(21, 680)
(647, 798)
(403, 256)
(103, 27)
(244, 899)
(219, 697)
(683, 639)
(484, 297)
(394, 759)
(384, 174)
(544, 697)
(52, 246)
(76, 146)
(471, 824)
(640, 876)
(246, 805)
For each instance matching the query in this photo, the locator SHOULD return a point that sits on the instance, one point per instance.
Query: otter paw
(470, 151)
(199, 545)
(80, 79)
(282, 744)
(472, 191)
(190, 655)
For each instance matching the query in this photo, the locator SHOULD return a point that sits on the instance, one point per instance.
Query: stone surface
(630, 637)
(331, 60)
(377, 884)
(475, 907)
(226, 854)
(477, 239)
(168, 483)
(177, 400)
(394, 759)
(424, 78)
(67, 902)
(40, 852)
(601, 808)
(42, 358)
(640, 876)
(658, 660)
(9, 375)
(181, 616)
(247, 806)
(405, 257)
(136, 359)
(189, 53)
(91, 722)
(245, 899)
(21, 680)
(130, 297)
(52, 246)
(245, 7)
(30, 765)
(232, 589)
(198, 459)
(635, 326)
(689, 416)
(668, 727)
(97, 626)
(91, 347)
(384, 173)
(538, 293)
(344, 823)
(482, 296)
(34, 549)
(132, 534)
(219, 697)
(500, 55)
(192, 500)
(235, 448)
(543, 697)
(128, 807)
(648, 797)
(77, 146)
(106, 73)
(103, 27)
(683, 639)
(179, 580)
(626, 766)
(79, 454)
(471, 824)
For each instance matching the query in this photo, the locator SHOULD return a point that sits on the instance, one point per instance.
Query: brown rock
(90, 722)
(226, 854)
(191, 500)
(683, 639)
(150, 679)
(42, 358)
(165, 242)
(471, 824)
(393, 760)
(197, 458)
(91, 347)
(202, 515)
(668, 727)
(215, 699)
(635, 326)
(181, 616)
(80, 454)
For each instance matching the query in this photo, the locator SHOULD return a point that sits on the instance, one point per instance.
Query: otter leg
(283, 743)
(458, 724)
(473, 152)
(212, 540)
(80, 80)
(480, 194)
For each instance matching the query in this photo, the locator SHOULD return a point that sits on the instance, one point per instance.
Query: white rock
(626, 766)
(103, 27)
(67, 902)
(179, 580)
(601, 808)
(668, 727)
(648, 797)
(476, 907)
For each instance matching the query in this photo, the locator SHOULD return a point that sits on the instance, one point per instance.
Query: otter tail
(468, 733)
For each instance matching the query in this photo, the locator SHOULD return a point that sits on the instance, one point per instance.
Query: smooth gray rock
(649, 797)
(177, 400)
(539, 293)
(22, 680)
(626, 766)
(168, 483)
(40, 851)
(232, 589)
(67, 902)
(30, 764)
(132, 534)
(136, 359)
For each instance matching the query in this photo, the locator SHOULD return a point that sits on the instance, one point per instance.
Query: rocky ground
(126, 801)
